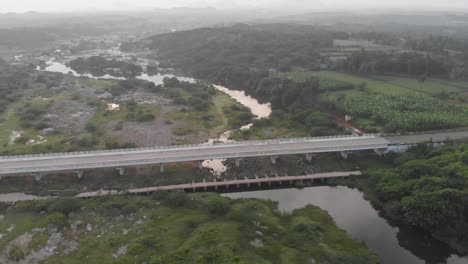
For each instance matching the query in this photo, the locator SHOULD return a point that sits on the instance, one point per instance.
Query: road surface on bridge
(146, 156)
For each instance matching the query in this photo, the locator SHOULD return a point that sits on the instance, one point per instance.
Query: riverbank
(425, 189)
(173, 227)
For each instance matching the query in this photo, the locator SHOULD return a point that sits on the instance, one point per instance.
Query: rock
(51, 229)
(105, 95)
(120, 252)
(257, 243)
(70, 247)
(11, 228)
(53, 242)
(139, 222)
(38, 230)
(259, 233)
(74, 226)
(89, 227)
(47, 131)
(125, 231)
(120, 218)
(1, 236)
(2, 217)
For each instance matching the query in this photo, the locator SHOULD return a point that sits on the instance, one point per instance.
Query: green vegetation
(198, 228)
(390, 104)
(406, 113)
(428, 189)
(207, 110)
(100, 66)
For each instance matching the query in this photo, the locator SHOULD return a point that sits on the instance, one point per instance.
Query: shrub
(65, 205)
(176, 199)
(56, 219)
(15, 253)
(218, 206)
(91, 127)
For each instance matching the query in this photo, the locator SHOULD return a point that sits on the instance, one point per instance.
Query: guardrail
(190, 157)
(190, 146)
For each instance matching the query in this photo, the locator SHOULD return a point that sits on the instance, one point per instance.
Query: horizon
(86, 6)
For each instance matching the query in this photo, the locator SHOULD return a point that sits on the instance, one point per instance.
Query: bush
(176, 199)
(15, 253)
(91, 127)
(218, 206)
(64, 206)
(56, 219)
(31, 206)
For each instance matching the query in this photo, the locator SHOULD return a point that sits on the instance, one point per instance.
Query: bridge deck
(218, 184)
(135, 157)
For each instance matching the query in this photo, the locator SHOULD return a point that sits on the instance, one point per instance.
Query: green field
(179, 228)
(392, 104)
(384, 84)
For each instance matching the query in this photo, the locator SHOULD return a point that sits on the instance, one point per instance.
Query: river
(216, 166)
(361, 221)
(348, 207)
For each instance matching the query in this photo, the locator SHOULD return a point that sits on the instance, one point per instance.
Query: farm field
(382, 84)
(392, 104)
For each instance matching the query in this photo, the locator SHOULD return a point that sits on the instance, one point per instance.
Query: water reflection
(361, 221)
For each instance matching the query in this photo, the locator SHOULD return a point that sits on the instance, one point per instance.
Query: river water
(361, 221)
(348, 207)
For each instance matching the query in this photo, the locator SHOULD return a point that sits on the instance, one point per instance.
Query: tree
(433, 210)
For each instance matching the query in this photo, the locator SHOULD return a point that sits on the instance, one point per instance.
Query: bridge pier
(37, 176)
(309, 157)
(204, 186)
(238, 162)
(79, 174)
(200, 164)
(161, 168)
(216, 186)
(258, 183)
(274, 160)
(248, 183)
(344, 154)
(121, 171)
(380, 152)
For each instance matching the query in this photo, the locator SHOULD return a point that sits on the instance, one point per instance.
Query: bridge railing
(186, 146)
(111, 164)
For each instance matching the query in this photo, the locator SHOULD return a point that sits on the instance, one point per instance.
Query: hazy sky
(74, 5)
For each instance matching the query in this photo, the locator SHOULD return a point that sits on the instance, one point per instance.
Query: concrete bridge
(79, 161)
(229, 184)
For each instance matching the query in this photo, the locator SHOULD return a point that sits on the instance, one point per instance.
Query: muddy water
(257, 109)
(361, 221)
(216, 166)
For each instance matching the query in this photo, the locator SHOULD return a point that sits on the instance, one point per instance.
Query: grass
(12, 122)
(211, 122)
(103, 117)
(189, 232)
(96, 84)
(388, 85)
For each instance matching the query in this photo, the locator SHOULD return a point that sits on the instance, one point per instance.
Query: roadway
(147, 156)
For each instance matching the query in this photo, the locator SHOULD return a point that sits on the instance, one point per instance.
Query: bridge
(228, 184)
(79, 161)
